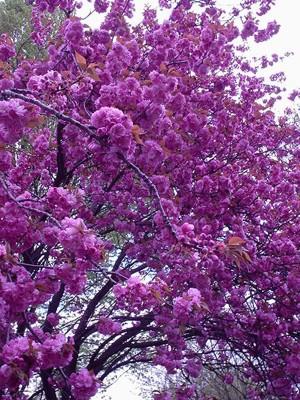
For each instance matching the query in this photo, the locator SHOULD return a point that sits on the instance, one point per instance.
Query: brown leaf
(236, 241)
(121, 39)
(65, 74)
(169, 113)
(92, 73)
(92, 65)
(246, 256)
(147, 82)
(156, 294)
(80, 60)
(174, 72)
(41, 287)
(166, 151)
(35, 122)
(163, 68)
(137, 74)
(137, 132)
(3, 65)
(202, 306)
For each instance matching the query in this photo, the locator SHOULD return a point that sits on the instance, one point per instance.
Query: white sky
(286, 13)
(123, 389)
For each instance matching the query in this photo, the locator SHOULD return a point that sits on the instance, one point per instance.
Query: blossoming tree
(149, 205)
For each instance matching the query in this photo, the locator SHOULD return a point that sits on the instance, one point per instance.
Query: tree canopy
(17, 21)
(149, 204)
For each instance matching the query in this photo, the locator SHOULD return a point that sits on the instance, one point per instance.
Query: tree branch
(61, 169)
(154, 190)
(36, 210)
(53, 306)
(50, 110)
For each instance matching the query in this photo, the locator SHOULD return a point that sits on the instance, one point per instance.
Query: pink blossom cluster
(83, 384)
(22, 356)
(107, 326)
(77, 239)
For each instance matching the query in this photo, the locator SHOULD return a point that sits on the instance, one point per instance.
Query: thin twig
(50, 110)
(28, 208)
(40, 341)
(154, 190)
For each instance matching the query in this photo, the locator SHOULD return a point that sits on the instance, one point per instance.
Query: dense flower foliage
(149, 204)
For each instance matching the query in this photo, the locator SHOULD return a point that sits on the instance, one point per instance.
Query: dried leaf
(137, 132)
(137, 74)
(169, 113)
(125, 73)
(174, 72)
(42, 287)
(80, 60)
(166, 151)
(91, 72)
(92, 65)
(121, 39)
(147, 82)
(36, 122)
(65, 74)
(163, 68)
(156, 294)
(202, 306)
(236, 241)
(3, 65)
(246, 256)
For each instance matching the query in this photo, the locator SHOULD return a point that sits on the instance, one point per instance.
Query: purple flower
(83, 384)
(101, 5)
(74, 32)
